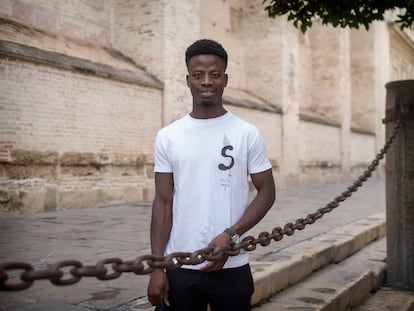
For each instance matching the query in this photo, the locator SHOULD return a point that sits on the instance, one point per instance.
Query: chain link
(147, 263)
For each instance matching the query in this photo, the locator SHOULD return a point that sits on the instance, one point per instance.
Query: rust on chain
(147, 263)
(108, 276)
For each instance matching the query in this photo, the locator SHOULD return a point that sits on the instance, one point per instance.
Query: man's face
(206, 79)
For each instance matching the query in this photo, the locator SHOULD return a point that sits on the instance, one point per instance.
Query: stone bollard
(400, 186)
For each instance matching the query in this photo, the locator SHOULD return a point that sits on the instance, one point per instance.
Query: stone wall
(82, 19)
(73, 140)
(78, 120)
(86, 85)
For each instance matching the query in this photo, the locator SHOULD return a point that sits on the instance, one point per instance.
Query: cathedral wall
(85, 86)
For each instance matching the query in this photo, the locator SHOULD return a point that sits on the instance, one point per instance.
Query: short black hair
(206, 47)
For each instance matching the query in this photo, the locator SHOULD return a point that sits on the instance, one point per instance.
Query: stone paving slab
(90, 235)
(387, 299)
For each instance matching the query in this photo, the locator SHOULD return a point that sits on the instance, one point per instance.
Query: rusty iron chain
(112, 268)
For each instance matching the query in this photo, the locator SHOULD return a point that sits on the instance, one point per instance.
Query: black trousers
(224, 290)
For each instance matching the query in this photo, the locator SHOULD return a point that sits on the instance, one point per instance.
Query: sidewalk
(89, 235)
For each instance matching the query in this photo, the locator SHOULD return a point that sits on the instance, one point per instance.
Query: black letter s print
(223, 167)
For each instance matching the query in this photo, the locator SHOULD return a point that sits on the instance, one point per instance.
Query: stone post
(400, 187)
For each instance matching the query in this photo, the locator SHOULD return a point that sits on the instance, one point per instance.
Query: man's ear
(227, 79)
(186, 78)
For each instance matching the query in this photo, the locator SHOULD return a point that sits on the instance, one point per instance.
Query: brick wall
(49, 109)
(78, 120)
(85, 141)
(85, 86)
(83, 19)
(155, 34)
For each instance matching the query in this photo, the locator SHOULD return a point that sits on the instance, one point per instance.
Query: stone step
(387, 299)
(278, 270)
(337, 287)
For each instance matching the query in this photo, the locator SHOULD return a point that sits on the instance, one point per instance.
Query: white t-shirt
(210, 160)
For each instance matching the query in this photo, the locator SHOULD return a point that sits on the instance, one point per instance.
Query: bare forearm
(161, 223)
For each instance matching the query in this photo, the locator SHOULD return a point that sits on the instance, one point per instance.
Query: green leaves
(343, 13)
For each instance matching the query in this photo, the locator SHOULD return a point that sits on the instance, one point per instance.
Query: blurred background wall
(86, 85)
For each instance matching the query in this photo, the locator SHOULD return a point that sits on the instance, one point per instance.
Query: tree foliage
(342, 13)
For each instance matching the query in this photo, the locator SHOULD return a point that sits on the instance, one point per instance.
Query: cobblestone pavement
(89, 235)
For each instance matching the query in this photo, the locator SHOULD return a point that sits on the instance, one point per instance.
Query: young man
(202, 162)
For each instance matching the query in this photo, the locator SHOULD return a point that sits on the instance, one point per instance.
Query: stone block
(50, 198)
(77, 199)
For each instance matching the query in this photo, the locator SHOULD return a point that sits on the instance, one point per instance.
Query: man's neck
(207, 113)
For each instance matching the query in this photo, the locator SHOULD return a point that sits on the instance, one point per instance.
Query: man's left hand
(220, 240)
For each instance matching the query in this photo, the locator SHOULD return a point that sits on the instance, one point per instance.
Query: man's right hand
(158, 287)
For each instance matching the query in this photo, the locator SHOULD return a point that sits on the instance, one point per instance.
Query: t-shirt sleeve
(162, 161)
(257, 159)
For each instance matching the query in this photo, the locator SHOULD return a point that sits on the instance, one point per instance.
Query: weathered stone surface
(91, 84)
(33, 157)
(44, 181)
(400, 185)
(336, 287)
(387, 299)
(291, 265)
